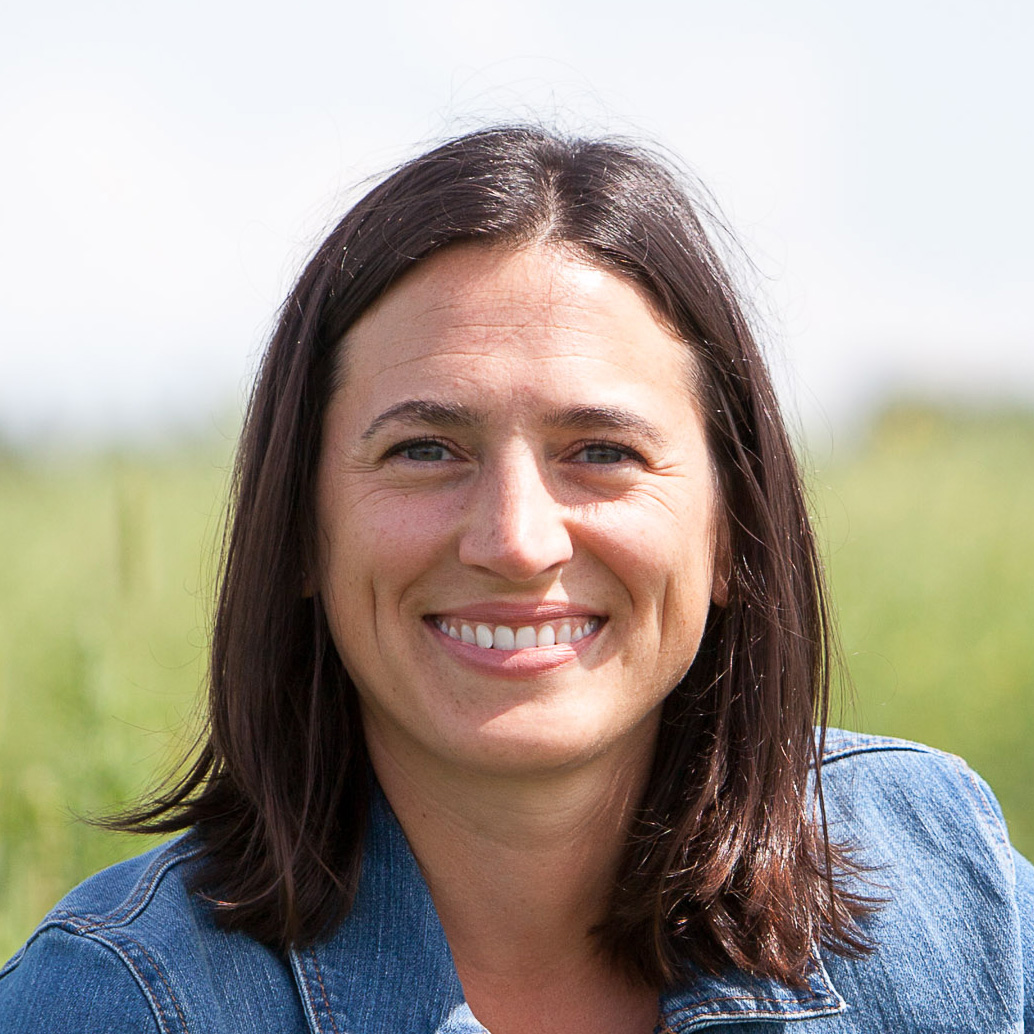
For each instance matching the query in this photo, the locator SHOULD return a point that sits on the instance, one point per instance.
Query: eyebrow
(425, 411)
(570, 418)
(611, 418)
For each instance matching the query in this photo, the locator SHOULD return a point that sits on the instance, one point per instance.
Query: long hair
(728, 861)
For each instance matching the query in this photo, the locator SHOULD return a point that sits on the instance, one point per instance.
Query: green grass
(105, 574)
(931, 557)
(106, 569)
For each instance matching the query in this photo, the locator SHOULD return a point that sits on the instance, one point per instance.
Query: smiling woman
(514, 457)
(520, 670)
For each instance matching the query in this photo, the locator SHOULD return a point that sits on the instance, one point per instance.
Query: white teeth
(525, 638)
(503, 637)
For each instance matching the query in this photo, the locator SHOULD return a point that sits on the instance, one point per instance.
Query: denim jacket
(132, 950)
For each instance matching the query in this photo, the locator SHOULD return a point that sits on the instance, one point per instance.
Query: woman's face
(517, 514)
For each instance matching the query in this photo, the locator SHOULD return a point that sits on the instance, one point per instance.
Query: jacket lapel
(737, 996)
(388, 969)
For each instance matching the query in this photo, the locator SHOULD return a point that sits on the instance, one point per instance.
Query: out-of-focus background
(167, 169)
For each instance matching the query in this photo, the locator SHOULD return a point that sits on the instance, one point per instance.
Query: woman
(518, 656)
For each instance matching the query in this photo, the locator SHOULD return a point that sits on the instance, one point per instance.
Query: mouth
(486, 635)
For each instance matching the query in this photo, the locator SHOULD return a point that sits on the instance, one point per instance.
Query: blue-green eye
(425, 452)
(422, 450)
(602, 453)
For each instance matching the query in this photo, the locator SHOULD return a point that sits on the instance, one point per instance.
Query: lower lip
(534, 660)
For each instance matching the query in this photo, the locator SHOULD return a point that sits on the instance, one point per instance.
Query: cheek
(377, 541)
(664, 558)
(666, 542)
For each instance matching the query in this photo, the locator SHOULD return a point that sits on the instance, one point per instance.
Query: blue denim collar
(389, 967)
(737, 996)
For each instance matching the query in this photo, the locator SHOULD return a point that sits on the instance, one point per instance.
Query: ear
(721, 575)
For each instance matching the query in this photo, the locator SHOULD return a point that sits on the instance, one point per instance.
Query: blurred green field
(930, 550)
(107, 566)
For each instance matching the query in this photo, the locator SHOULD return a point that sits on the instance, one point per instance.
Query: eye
(422, 450)
(604, 453)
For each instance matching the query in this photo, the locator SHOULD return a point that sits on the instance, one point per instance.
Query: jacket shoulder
(88, 965)
(130, 892)
(860, 770)
(839, 743)
(930, 846)
(151, 956)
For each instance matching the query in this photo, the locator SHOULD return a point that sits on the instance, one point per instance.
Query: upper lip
(505, 613)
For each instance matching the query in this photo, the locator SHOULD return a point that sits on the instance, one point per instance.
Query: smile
(525, 637)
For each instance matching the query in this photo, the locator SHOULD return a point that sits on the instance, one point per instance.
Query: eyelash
(425, 443)
(622, 452)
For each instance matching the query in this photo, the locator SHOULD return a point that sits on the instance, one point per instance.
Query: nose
(515, 528)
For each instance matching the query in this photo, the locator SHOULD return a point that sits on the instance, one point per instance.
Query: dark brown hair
(728, 861)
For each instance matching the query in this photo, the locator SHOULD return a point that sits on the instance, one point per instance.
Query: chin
(543, 745)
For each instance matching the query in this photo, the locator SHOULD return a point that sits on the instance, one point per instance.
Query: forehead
(502, 308)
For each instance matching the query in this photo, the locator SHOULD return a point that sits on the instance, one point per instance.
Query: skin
(515, 441)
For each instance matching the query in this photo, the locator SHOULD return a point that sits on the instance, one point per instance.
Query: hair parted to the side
(728, 862)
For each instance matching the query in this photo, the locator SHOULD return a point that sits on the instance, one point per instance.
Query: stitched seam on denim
(762, 1014)
(118, 948)
(983, 804)
(153, 1003)
(953, 760)
(14, 961)
(323, 992)
(168, 987)
(879, 748)
(148, 884)
(817, 1008)
(84, 930)
(138, 899)
(747, 998)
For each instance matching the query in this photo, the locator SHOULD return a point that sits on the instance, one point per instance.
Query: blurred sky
(167, 168)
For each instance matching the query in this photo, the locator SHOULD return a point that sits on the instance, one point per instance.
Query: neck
(520, 868)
